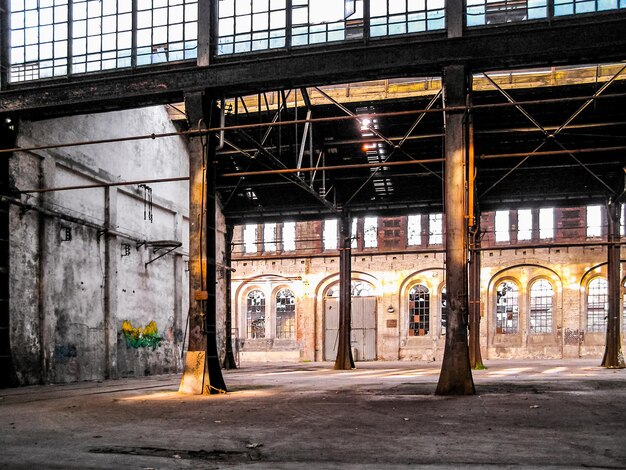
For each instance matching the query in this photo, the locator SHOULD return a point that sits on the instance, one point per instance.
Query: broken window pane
(414, 230)
(285, 314)
(419, 310)
(370, 232)
(507, 308)
(435, 229)
(255, 319)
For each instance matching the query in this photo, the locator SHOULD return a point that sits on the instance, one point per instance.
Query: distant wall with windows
(543, 293)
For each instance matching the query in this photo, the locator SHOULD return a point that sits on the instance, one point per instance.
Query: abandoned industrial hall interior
(188, 186)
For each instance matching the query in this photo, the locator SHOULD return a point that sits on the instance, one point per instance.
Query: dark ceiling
(556, 180)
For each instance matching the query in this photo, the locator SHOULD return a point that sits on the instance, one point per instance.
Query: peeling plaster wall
(69, 298)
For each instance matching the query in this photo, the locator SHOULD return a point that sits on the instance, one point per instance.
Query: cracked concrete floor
(532, 414)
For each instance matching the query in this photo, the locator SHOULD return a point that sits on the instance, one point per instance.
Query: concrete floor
(539, 414)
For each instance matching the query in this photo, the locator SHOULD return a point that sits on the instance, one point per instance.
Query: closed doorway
(363, 334)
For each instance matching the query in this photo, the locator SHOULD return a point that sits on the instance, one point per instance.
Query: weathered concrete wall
(310, 273)
(69, 298)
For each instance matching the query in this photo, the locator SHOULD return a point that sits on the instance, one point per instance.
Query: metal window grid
(419, 311)
(541, 295)
(304, 33)
(52, 38)
(507, 308)
(285, 314)
(597, 305)
(245, 26)
(392, 17)
(39, 39)
(255, 317)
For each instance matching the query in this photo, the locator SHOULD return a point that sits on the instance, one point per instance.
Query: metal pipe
(372, 140)
(552, 152)
(331, 168)
(105, 185)
(547, 245)
(199, 132)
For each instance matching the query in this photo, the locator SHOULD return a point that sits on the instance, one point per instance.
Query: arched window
(444, 311)
(541, 295)
(507, 308)
(360, 289)
(597, 305)
(285, 314)
(419, 310)
(255, 321)
(357, 289)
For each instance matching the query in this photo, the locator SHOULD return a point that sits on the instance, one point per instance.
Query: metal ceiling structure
(559, 143)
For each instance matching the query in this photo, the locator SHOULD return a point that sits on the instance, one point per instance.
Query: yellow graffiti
(147, 336)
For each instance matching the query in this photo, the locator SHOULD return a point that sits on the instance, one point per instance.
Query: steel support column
(4, 44)
(7, 369)
(613, 356)
(456, 375)
(344, 359)
(207, 31)
(202, 373)
(229, 358)
(476, 360)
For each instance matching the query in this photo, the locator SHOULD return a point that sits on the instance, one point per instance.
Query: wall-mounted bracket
(163, 246)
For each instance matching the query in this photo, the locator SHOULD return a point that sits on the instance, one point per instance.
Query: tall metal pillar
(456, 375)
(344, 359)
(473, 222)
(8, 377)
(476, 360)
(4, 44)
(229, 358)
(613, 356)
(207, 31)
(202, 373)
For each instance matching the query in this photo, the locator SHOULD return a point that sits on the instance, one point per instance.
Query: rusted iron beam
(593, 38)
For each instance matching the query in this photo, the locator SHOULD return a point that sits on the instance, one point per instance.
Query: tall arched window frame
(285, 314)
(507, 308)
(541, 300)
(597, 305)
(419, 310)
(357, 289)
(255, 315)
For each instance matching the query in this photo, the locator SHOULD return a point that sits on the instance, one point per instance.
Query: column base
(195, 380)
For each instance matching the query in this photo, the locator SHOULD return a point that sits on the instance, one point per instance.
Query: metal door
(363, 334)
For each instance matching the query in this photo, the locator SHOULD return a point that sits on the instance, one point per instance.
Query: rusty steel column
(476, 360)
(202, 374)
(473, 222)
(344, 359)
(229, 358)
(456, 374)
(613, 356)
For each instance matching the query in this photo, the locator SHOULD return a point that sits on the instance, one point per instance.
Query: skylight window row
(53, 38)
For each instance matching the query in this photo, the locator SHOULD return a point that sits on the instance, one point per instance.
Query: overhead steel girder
(552, 136)
(595, 38)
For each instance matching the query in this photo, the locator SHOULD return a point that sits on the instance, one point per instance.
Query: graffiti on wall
(147, 337)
